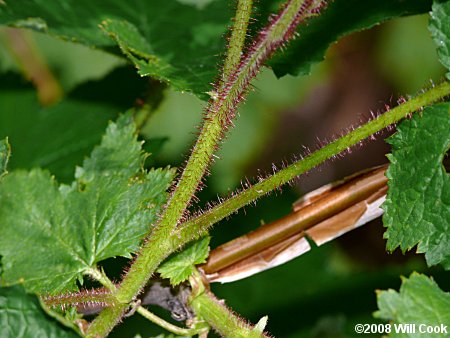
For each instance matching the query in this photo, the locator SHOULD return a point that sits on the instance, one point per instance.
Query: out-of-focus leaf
(5, 152)
(399, 42)
(419, 302)
(59, 137)
(171, 41)
(339, 18)
(417, 207)
(22, 316)
(197, 3)
(179, 267)
(71, 63)
(440, 30)
(52, 235)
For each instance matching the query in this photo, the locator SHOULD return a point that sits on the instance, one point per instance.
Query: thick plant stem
(106, 321)
(226, 323)
(237, 39)
(219, 115)
(199, 226)
(221, 108)
(208, 308)
(212, 130)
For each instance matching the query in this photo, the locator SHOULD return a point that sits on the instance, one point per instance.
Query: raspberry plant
(55, 235)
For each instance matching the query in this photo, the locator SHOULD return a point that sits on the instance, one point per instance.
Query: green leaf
(5, 152)
(22, 316)
(420, 301)
(440, 30)
(59, 137)
(339, 18)
(169, 40)
(179, 267)
(139, 51)
(417, 207)
(52, 235)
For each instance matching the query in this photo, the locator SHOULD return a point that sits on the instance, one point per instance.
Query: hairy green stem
(207, 307)
(226, 323)
(106, 320)
(212, 130)
(198, 227)
(237, 39)
(221, 108)
(100, 276)
(94, 296)
(220, 112)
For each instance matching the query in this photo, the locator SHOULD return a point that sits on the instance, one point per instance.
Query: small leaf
(22, 316)
(138, 50)
(179, 267)
(420, 301)
(261, 325)
(5, 152)
(52, 235)
(440, 30)
(417, 208)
